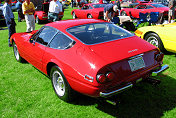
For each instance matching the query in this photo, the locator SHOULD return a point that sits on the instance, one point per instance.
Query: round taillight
(101, 78)
(110, 76)
(159, 57)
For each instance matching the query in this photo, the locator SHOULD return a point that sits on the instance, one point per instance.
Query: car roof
(64, 24)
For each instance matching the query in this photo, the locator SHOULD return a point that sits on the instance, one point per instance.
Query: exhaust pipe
(153, 81)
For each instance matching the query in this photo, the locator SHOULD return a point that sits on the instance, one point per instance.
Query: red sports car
(90, 56)
(41, 13)
(145, 8)
(89, 11)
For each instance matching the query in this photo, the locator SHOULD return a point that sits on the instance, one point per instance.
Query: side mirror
(31, 40)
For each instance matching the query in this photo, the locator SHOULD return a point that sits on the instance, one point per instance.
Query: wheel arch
(50, 65)
(146, 33)
(89, 14)
(127, 12)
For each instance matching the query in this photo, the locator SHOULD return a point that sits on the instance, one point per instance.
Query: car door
(56, 50)
(36, 49)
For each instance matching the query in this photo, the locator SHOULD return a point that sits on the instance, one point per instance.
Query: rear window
(158, 5)
(99, 5)
(98, 33)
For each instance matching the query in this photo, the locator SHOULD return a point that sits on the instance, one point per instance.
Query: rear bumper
(116, 91)
(161, 70)
(129, 85)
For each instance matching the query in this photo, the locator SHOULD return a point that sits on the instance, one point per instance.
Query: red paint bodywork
(76, 62)
(97, 13)
(135, 12)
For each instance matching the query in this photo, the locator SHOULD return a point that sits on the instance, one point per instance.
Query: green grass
(25, 92)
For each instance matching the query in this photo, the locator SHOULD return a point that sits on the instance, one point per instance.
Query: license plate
(136, 63)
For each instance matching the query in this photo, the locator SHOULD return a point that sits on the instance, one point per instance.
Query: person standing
(9, 17)
(54, 8)
(28, 11)
(109, 11)
(171, 14)
(19, 10)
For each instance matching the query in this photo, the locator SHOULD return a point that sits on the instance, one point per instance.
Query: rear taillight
(102, 78)
(159, 57)
(110, 76)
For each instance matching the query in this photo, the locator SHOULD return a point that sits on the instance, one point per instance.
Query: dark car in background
(2, 19)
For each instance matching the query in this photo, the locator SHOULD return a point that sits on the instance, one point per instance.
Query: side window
(141, 7)
(149, 7)
(60, 41)
(45, 36)
(90, 7)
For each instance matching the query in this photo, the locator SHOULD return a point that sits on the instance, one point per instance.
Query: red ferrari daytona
(90, 56)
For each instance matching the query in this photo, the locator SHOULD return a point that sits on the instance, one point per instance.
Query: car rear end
(128, 72)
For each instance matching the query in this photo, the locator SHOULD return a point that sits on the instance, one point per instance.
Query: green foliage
(25, 92)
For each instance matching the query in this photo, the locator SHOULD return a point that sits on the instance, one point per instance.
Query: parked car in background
(145, 8)
(14, 2)
(161, 36)
(41, 13)
(2, 19)
(90, 56)
(13, 5)
(91, 10)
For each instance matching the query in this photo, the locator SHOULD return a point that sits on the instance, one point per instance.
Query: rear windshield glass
(158, 5)
(98, 33)
(99, 5)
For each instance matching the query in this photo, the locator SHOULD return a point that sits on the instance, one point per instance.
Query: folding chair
(143, 17)
(153, 17)
(115, 20)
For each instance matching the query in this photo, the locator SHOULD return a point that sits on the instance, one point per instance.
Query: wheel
(123, 13)
(37, 20)
(60, 85)
(89, 16)
(74, 15)
(155, 40)
(16, 53)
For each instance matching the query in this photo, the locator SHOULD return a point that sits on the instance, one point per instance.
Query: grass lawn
(25, 92)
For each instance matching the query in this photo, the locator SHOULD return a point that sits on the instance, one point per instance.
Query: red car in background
(90, 56)
(89, 11)
(41, 13)
(145, 8)
(14, 1)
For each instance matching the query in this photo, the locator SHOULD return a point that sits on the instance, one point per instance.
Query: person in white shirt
(54, 8)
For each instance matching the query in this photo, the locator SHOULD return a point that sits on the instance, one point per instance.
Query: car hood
(121, 49)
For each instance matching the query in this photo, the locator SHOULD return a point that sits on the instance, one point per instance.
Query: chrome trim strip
(116, 91)
(162, 69)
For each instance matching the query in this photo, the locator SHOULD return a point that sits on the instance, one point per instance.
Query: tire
(37, 20)
(17, 54)
(60, 85)
(74, 15)
(123, 13)
(155, 40)
(89, 16)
